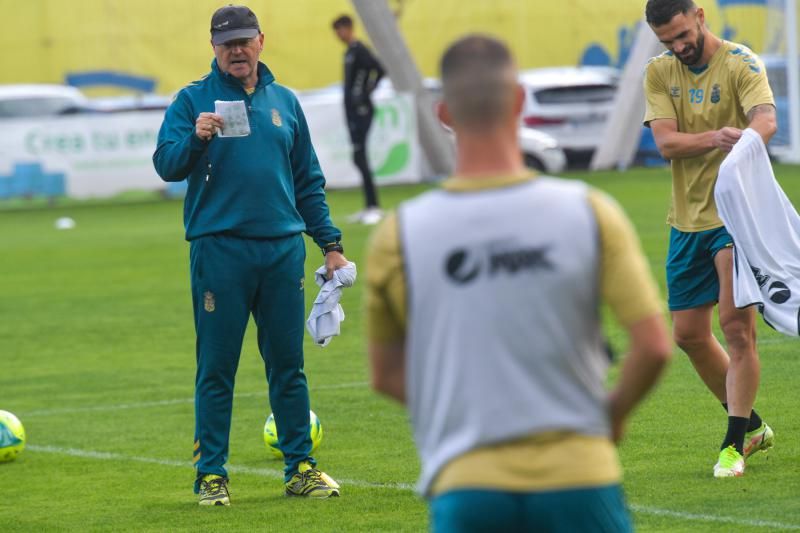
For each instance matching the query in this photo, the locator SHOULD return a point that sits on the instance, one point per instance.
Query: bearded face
(692, 52)
(683, 35)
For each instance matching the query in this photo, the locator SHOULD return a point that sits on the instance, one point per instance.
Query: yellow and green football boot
(310, 482)
(214, 490)
(730, 463)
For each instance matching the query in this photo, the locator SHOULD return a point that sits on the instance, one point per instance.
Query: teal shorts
(593, 509)
(692, 279)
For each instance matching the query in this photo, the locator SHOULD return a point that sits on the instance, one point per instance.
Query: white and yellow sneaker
(371, 216)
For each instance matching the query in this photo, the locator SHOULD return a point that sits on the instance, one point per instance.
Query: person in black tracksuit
(362, 72)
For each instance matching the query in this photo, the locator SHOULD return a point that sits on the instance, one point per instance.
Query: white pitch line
(274, 473)
(117, 407)
(178, 401)
(711, 518)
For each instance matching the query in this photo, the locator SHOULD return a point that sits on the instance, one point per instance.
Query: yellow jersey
(702, 99)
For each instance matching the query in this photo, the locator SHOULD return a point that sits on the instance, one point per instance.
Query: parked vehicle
(541, 151)
(40, 100)
(571, 104)
(139, 102)
(780, 145)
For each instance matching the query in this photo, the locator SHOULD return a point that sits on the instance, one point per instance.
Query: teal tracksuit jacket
(266, 185)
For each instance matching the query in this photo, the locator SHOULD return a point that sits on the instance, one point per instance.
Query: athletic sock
(737, 427)
(755, 420)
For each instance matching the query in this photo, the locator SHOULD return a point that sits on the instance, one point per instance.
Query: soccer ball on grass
(12, 437)
(271, 435)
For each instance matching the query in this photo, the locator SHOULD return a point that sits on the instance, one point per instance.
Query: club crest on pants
(208, 301)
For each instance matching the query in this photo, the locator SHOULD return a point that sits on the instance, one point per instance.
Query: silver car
(571, 104)
(541, 151)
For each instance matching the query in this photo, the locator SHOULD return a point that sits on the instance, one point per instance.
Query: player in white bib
(484, 319)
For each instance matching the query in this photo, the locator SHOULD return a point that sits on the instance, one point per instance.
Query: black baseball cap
(233, 22)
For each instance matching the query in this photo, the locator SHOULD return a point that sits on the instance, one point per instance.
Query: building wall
(164, 43)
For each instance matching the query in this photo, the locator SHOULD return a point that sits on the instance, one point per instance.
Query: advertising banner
(100, 155)
(79, 156)
(393, 149)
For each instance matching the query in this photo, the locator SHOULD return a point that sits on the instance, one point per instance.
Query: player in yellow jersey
(700, 94)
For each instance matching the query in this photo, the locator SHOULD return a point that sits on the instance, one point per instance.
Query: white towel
(766, 232)
(327, 314)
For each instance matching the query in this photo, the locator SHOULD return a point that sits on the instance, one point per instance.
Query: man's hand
(725, 138)
(617, 422)
(206, 125)
(334, 261)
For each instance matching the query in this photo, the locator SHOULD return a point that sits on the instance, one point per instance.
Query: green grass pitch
(97, 360)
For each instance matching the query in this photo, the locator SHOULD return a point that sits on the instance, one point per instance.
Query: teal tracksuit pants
(233, 278)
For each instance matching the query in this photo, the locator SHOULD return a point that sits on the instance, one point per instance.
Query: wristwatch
(332, 247)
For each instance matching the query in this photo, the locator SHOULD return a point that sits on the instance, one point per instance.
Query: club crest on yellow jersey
(715, 90)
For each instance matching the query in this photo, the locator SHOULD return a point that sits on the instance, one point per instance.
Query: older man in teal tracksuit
(248, 201)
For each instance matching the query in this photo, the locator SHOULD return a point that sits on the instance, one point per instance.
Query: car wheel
(531, 161)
